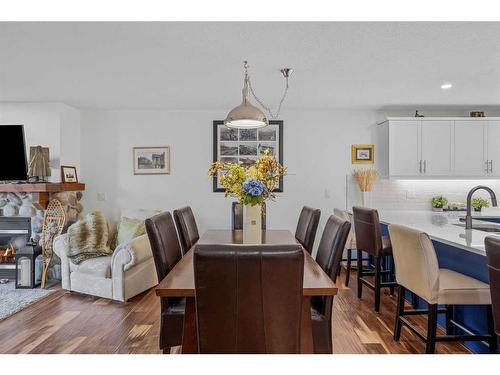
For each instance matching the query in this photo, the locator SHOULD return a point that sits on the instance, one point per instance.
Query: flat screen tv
(13, 163)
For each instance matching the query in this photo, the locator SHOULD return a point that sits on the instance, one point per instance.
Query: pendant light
(248, 116)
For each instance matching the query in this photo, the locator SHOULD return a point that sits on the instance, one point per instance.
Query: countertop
(440, 226)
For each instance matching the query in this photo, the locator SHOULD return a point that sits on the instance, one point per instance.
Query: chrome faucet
(468, 217)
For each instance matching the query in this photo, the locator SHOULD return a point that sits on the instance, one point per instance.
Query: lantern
(25, 267)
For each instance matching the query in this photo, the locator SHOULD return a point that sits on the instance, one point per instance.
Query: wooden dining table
(180, 283)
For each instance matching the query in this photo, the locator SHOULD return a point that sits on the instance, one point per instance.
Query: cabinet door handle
(491, 166)
(420, 166)
(425, 166)
(487, 166)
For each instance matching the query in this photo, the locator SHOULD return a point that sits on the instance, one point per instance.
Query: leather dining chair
(492, 245)
(166, 253)
(330, 250)
(417, 270)
(248, 298)
(307, 227)
(237, 216)
(187, 228)
(369, 239)
(350, 243)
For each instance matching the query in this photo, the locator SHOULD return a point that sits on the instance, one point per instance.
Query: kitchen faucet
(468, 217)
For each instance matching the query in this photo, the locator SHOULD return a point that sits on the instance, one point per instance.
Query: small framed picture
(151, 160)
(68, 174)
(363, 154)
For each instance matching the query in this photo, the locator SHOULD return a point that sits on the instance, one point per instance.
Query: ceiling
(199, 65)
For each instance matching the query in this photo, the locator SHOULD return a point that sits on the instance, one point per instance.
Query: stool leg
(348, 267)
(414, 300)
(392, 275)
(493, 344)
(450, 312)
(431, 329)
(399, 312)
(377, 283)
(360, 272)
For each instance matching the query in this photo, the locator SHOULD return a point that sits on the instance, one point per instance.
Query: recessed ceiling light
(446, 86)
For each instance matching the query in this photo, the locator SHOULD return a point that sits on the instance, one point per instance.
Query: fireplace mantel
(41, 191)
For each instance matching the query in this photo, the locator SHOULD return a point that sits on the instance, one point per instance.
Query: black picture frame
(216, 156)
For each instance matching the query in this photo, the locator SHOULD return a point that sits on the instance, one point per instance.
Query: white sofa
(121, 276)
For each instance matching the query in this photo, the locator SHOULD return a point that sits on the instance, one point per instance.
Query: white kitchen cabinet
(470, 150)
(452, 147)
(437, 148)
(404, 141)
(493, 148)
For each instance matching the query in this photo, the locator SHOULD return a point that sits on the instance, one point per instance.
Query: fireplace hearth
(15, 233)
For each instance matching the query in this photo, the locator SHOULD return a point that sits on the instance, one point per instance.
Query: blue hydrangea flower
(253, 187)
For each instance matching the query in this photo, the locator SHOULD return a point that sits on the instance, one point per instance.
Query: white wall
(316, 153)
(53, 125)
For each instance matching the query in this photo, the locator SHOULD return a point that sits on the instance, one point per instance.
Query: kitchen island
(457, 249)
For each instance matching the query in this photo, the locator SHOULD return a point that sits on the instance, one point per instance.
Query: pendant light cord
(266, 108)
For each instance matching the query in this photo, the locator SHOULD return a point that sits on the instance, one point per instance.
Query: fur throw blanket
(88, 238)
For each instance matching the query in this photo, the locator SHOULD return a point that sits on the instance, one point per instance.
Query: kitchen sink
(482, 227)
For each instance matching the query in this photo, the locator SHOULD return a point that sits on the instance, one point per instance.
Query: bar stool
(418, 271)
(492, 245)
(369, 239)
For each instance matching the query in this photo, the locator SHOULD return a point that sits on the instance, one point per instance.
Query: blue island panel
(473, 318)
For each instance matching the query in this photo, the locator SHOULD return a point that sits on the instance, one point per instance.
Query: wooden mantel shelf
(41, 191)
(41, 187)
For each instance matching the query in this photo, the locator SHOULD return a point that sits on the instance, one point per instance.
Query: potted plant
(479, 203)
(438, 203)
(251, 185)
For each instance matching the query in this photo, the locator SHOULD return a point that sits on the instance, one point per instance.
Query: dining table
(179, 282)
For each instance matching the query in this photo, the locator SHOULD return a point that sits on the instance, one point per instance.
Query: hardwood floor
(74, 323)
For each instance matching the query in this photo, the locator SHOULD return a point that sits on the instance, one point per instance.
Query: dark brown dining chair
(329, 256)
(369, 239)
(187, 228)
(248, 298)
(166, 253)
(493, 258)
(350, 243)
(237, 216)
(307, 227)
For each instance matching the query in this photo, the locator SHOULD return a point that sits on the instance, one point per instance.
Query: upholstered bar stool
(493, 256)
(417, 270)
(369, 239)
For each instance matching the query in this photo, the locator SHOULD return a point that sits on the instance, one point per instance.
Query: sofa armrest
(60, 247)
(131, 253)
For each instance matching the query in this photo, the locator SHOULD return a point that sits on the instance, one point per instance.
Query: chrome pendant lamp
(248, 116)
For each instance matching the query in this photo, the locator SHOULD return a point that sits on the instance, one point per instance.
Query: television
(13, 163)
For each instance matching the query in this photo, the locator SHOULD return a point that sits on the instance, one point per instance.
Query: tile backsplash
(416, 194)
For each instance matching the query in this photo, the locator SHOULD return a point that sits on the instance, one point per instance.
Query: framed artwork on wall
(151, 160)
(68, 174)
(363, 154)
(246, 145)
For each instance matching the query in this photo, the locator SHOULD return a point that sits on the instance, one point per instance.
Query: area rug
(13, 300)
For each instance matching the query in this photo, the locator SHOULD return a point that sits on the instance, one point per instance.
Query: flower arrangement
(251, 185)
(365, 178)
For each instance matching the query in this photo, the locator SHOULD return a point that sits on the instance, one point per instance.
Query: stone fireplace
(21, 218)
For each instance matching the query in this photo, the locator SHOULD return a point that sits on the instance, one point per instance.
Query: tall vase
(252, 224)
(366, 199)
